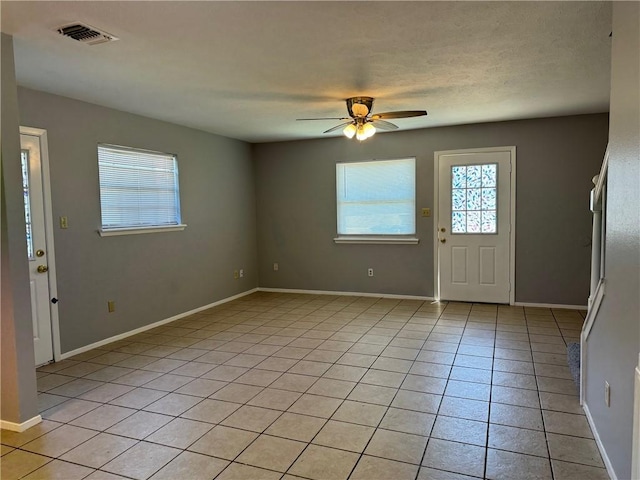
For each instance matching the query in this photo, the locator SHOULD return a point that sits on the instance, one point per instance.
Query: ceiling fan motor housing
(366, 101)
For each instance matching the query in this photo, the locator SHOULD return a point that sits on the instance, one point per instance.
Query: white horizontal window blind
(376, 197)
(138, 188)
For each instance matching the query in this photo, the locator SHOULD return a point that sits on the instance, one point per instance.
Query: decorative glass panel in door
(473, 199)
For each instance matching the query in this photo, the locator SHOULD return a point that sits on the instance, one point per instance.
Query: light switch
(426, 212)
(63, 222)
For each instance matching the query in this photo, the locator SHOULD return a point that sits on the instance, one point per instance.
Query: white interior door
(474, 225)
(37, 247)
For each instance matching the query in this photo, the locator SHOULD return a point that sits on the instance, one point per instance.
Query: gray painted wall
(556, 159)
(151, 276)
(19, 398)
(614, 343)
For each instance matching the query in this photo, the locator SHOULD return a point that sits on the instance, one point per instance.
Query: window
(473, 198)
(376, 198)
(138, 190)
(26, 193)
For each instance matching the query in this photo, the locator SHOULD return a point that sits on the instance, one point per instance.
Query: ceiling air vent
(86, 34)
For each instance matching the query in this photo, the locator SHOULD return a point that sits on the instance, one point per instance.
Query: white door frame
(635, 455)
(48, 227)
(512, 234)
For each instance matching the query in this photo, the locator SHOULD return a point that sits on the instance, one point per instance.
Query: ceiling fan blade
(323, 118)
(383, 125)
(337, 127)
(399, 114)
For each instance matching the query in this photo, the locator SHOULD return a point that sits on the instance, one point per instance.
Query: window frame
(379, 239)
(140, 229)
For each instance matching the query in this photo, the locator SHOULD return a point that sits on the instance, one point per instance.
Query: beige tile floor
(285, 386)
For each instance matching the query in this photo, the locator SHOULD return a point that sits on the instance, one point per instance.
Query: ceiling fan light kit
(350, 130)
(361, 124)
(364, 131)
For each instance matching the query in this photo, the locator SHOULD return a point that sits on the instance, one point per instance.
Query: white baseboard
(20, 427)
(583, 368)
(346, 294)
(159, 323)
(550, 305)
(603, 452)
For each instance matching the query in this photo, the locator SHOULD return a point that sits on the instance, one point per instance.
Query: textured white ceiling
(247, 70)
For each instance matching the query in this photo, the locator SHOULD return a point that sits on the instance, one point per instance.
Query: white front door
(37, 247)
(474, 224)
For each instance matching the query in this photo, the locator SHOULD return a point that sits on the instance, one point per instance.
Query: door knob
(43, 269)
(443, 240)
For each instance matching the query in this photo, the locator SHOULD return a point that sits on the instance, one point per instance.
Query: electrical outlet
(236, 274)
(370, 272)
(64, 222)
(275, 267)
(241, 273)
(111, 306)
(607, 394)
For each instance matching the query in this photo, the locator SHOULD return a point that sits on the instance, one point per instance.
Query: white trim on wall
(550, 305)
(512, 218)
(346, 294)
(112, 232)
(406, 297)
(635, 454)
(602, 176)
(153, 325)
(595, 303)
(377, 240)
(603, 452)
(20, 427)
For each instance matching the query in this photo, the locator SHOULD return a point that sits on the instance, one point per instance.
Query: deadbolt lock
(442, 229)
(42, 269)
(39, 253)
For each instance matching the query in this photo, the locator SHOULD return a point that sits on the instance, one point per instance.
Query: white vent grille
(86, 34)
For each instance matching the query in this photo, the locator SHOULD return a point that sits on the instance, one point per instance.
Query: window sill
(377, 240)
(138, 230)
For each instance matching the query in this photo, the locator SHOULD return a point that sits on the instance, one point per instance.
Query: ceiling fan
(362, 123)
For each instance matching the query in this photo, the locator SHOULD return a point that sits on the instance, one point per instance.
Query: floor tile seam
(70, 422)
(604, 469)
(486, 451)
(80, 464)
(375, 428)
(544, 426)
(248, 464)
(364, 453)
(543, 429)
(37, 468)
(547, 363)
(211, 427)
(59, 457)
(422, 459)
(155, 471)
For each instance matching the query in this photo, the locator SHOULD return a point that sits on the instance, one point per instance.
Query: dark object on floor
(573, 359)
